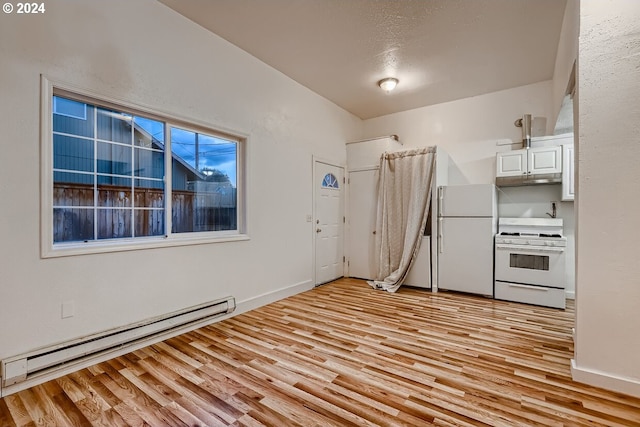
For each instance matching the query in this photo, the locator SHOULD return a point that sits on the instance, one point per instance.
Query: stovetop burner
(530, 232)
(530, 227)
(518, 234)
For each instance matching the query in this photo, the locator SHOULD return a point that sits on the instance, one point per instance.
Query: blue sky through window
(154, 128)
(213, 153)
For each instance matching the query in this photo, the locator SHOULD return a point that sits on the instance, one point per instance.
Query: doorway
(328, 230)
(362, 205)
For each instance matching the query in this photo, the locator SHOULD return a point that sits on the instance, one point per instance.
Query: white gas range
(530, 261)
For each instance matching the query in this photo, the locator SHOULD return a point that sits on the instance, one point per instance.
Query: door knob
(318, 230)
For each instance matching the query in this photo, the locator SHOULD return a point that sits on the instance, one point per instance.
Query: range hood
(513, 168)
(516, 181)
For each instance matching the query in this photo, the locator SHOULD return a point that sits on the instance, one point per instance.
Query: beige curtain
(404, 198)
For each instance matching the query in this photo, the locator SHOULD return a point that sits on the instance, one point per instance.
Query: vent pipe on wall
(525, 124)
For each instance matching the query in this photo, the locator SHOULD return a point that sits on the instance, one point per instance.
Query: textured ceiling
(440, 50)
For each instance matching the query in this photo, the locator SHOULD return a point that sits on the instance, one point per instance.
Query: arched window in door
(330, 181)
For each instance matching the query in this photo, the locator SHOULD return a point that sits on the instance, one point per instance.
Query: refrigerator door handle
(440, 200)
(440, 243)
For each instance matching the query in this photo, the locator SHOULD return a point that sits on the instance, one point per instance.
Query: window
(330, 181)
(70, 108)
(120, 178)
(207, 178)
(108, 176)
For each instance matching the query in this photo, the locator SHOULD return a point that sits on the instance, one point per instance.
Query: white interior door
(362, 215)
(329, 222)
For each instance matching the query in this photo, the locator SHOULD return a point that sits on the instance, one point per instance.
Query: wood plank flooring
(342, 354)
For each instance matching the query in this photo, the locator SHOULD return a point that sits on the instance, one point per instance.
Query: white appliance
(420, 274)
(467, 216)
(530, 261)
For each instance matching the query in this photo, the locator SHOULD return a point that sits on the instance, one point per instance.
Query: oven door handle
(524, 248)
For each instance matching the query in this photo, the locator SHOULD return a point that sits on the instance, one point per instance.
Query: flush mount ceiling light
(388, 84)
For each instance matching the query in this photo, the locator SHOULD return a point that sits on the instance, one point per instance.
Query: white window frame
(49, 88)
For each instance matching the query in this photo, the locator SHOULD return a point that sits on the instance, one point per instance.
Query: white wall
(565, 58)
(147, 54)
(468, 129)
(608, 191)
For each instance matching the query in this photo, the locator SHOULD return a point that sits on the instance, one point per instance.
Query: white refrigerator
(467, 224)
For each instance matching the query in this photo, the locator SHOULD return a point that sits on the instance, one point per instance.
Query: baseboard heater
(75, 354)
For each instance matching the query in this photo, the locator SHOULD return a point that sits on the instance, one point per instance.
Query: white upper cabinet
(512, 163)
(532, 161)
(568, 174)
(543, 160)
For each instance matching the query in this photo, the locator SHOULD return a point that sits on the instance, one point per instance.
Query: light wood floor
(342, 355)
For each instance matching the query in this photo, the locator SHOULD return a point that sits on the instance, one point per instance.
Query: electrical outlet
(68, 309)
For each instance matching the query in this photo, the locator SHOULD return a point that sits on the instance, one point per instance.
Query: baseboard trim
(570, 294)
(273, 296)
(605, 380)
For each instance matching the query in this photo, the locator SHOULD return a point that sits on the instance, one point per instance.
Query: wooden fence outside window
(73, 217)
